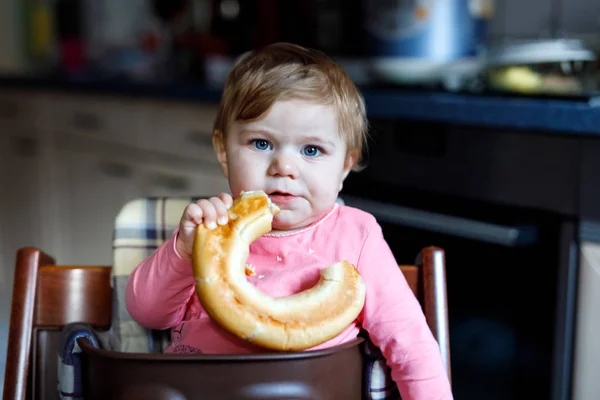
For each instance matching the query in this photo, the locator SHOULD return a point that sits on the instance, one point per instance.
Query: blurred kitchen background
(485, 141)
(468, 45)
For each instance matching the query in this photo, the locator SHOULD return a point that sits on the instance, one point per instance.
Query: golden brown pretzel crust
(295, 322)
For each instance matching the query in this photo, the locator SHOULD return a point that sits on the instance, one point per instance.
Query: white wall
(531, 19)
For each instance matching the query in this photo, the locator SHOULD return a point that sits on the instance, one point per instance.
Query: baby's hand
(211, 212)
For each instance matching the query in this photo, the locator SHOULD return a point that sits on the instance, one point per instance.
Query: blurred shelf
(185, 91)
(577, 115)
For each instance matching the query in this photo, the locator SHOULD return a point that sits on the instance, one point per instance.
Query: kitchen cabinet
(108, 119)
(589, 189)
(182, 129)
(71, 162)
(90, 190)
(176, 182)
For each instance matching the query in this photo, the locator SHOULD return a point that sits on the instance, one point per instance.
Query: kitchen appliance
(547, 67)
(412, 41)
(510, 237)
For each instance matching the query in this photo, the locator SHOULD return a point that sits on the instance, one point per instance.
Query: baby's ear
(350, 162)
(218, 141)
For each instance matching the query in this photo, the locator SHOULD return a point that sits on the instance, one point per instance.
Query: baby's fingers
(194, 213)
(226, 199)
(221, 209)
(209, 212)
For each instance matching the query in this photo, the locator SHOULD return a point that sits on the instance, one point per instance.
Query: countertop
(574, 116)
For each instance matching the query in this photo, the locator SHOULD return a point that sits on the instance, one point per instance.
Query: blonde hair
(283, 71)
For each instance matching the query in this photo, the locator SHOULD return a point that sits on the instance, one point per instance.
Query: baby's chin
(286, 222)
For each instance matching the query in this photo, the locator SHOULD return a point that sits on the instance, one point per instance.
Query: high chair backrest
(45, 299)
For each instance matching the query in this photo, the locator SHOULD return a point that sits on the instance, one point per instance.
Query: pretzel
(289, 323)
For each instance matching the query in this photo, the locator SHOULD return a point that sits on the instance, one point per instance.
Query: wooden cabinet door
(91, 190)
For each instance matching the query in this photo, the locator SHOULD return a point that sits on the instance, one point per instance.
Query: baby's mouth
(281, 197)
(278, 193)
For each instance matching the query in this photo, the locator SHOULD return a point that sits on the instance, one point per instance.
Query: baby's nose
(283, 165)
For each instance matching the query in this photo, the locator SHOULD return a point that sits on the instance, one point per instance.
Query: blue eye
(310, 151)
(261, 144)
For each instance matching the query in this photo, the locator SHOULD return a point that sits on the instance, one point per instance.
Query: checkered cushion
(140, 228)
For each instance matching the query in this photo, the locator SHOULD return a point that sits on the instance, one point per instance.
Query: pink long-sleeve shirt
(161, 295)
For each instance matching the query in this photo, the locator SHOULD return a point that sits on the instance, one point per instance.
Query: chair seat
(334, 373)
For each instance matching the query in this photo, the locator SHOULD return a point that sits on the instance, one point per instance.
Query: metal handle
(510, 236)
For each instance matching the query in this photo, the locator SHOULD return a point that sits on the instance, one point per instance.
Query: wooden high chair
(48, 297)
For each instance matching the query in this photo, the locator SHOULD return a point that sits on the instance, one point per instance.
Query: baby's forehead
(299, 113)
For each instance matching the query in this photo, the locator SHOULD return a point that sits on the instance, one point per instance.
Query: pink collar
(306, 228)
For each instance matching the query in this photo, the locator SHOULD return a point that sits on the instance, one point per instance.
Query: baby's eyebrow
(245, 134)
(254, 132)
(318, 140)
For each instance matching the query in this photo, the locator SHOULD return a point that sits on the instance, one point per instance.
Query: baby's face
(295, 155)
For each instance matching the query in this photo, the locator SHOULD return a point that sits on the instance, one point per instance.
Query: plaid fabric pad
(140, 228)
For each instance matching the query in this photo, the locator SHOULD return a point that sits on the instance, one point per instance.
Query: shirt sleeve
(396, 324)
(160, 287)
